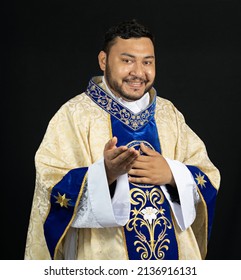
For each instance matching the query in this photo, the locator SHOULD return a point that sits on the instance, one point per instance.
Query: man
(119, 174)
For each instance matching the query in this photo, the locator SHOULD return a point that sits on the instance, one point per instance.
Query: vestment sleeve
(191, 151)
(185, 211)
(96, 209)
(61, 163)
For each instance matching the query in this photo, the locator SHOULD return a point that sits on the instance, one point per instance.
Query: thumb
(148, 151)
(111, 143)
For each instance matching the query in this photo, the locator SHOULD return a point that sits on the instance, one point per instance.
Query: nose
(138, 70)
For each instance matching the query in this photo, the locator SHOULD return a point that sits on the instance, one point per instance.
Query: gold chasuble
(75, 139)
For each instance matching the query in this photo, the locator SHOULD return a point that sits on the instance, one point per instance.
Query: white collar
(135, 106)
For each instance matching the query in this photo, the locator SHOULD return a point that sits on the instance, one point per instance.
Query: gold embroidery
(62, 200)
(200, 180)
(71, 220)
(113, 107)
(151, 218)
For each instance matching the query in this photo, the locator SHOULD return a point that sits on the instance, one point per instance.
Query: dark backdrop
(49, 52)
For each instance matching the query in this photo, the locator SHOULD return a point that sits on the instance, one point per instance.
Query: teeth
(135, 84)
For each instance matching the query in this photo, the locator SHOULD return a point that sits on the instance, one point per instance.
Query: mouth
(135, 83)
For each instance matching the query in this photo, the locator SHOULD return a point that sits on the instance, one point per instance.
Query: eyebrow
(132, 56)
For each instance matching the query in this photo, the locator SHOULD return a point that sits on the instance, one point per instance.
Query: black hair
(126, 30)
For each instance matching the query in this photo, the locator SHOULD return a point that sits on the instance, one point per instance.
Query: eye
(127, 60)
(148, 62)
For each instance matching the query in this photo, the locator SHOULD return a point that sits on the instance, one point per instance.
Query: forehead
(135, 46)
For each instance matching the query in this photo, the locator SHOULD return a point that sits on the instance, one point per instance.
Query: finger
(141, 161)
(115, 153)
(139, 180)
(111, 143)
(138, 172)
(126, 157)
(148, 151)
(131, 159)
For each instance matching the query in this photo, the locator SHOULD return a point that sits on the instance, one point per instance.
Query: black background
(49, 52)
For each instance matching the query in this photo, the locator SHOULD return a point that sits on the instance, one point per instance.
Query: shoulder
(167, 110)
(163, 104)
(77, 102)
(79, 105)
(75, 108)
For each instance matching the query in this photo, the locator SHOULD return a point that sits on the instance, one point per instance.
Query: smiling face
(129, 67)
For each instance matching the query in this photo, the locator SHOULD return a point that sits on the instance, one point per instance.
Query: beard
(118, 90)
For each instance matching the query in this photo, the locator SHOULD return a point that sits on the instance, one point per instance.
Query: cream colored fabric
(75, 137)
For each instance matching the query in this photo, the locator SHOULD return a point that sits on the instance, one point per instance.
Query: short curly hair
(126, 30)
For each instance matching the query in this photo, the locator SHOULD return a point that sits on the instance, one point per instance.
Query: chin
(133, 97)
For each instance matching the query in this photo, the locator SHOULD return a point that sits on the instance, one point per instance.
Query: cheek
(120, 72)
(151, 73)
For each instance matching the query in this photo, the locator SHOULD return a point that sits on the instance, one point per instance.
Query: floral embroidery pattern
(151, 219)
(149, 213)
(113, 107)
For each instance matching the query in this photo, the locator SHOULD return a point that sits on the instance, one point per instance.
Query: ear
(102, 60)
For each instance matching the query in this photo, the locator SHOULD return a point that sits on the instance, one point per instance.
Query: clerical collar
(134, 106)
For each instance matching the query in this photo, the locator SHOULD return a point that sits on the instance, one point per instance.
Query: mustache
(135, 79)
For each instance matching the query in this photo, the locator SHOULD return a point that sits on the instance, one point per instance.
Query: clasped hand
(151, 168)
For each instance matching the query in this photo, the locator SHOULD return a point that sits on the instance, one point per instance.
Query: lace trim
(85, 217)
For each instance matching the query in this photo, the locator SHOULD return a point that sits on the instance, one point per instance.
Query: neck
(134, 106)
